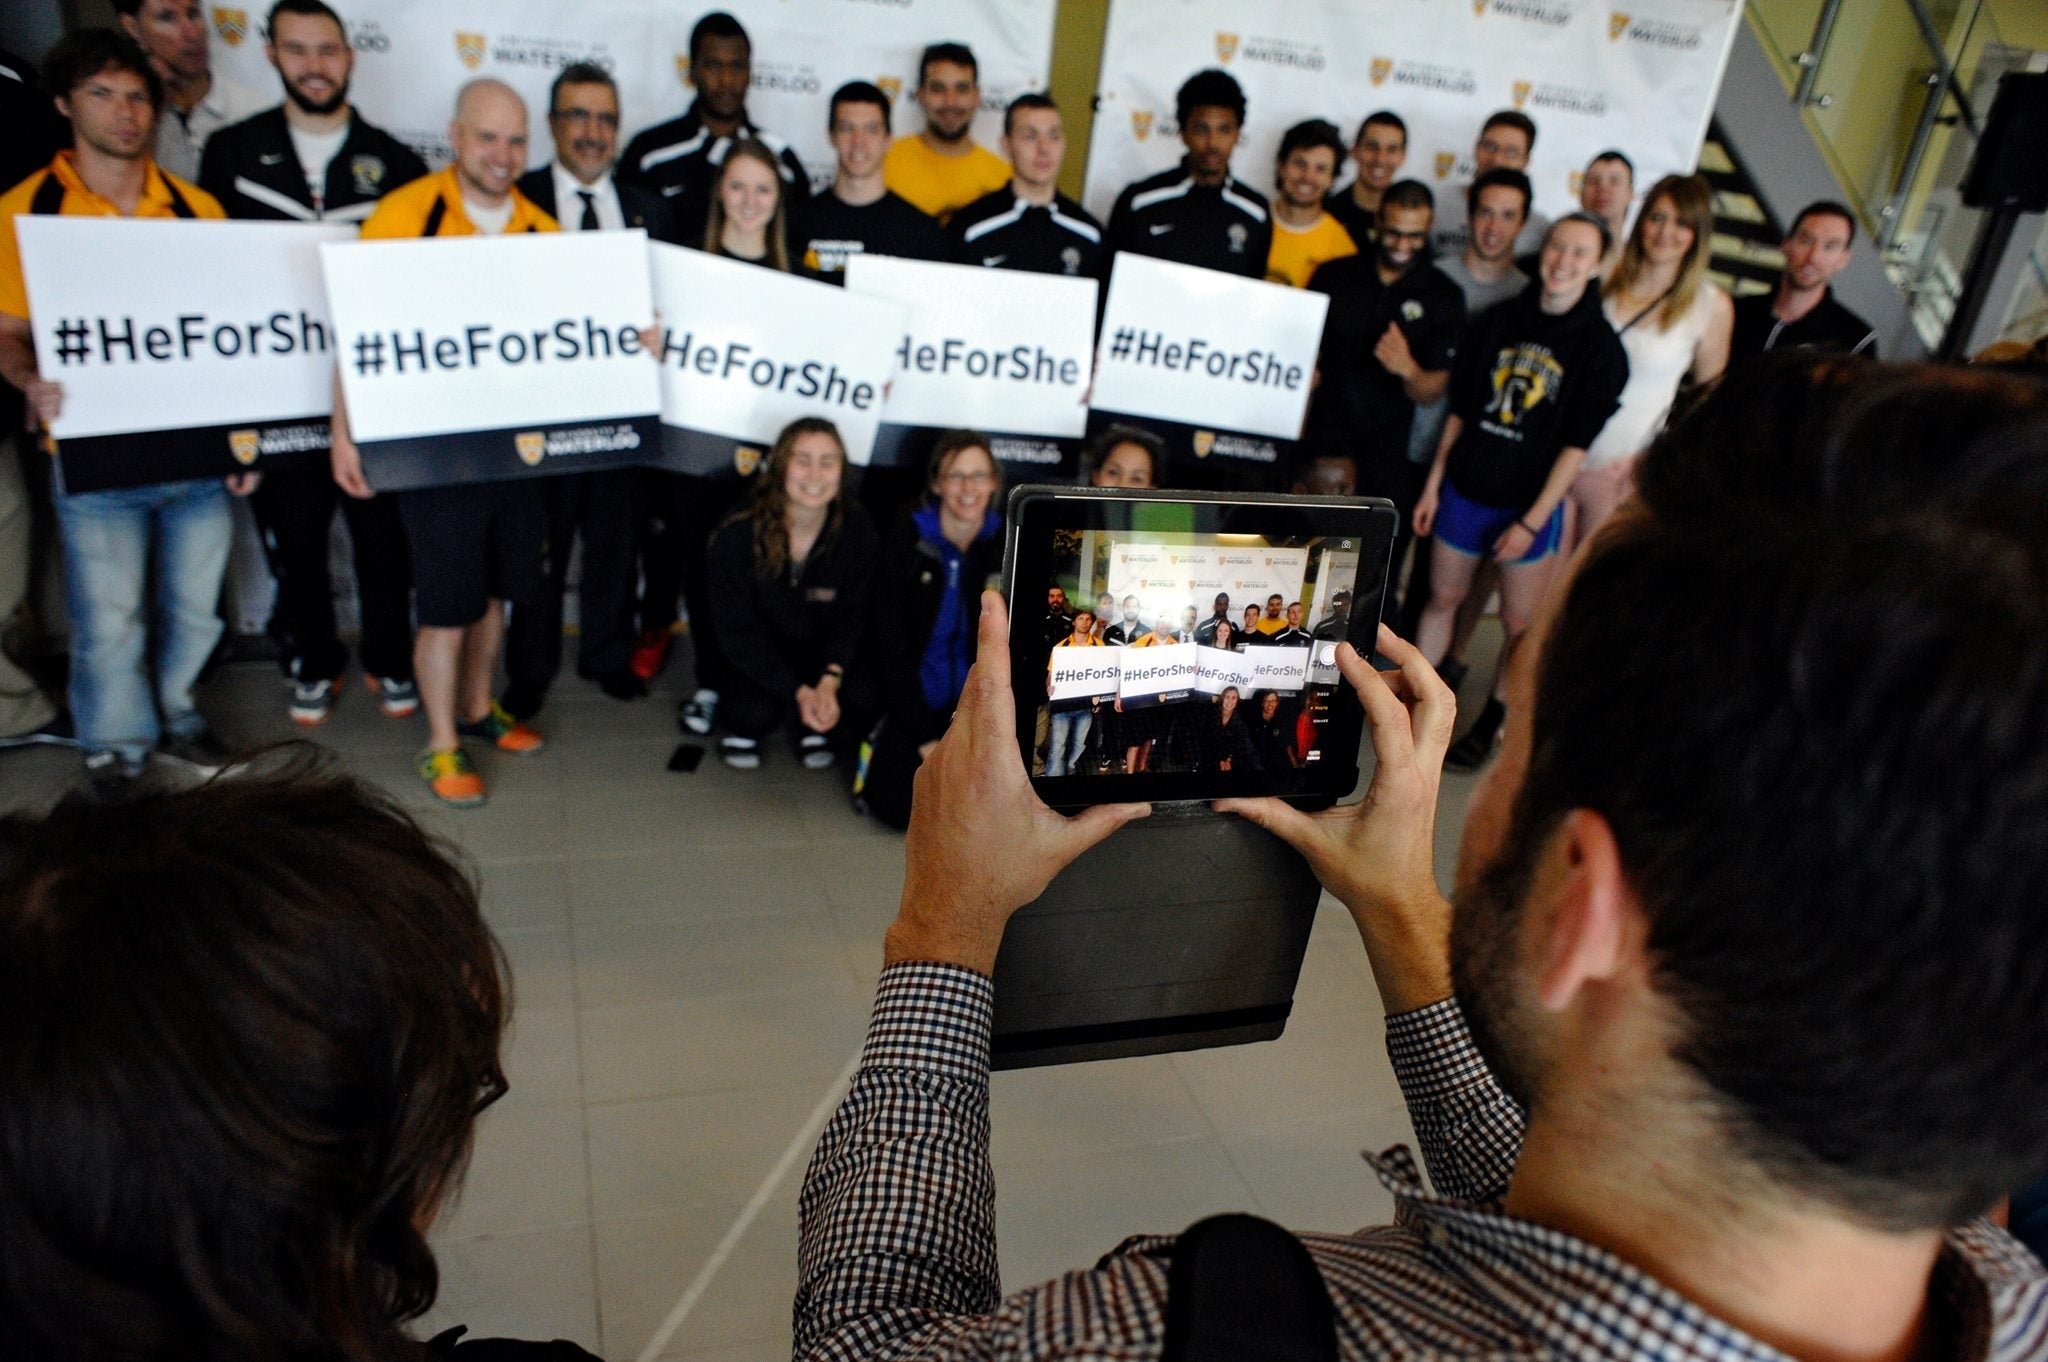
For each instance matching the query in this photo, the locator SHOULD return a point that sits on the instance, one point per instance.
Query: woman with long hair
(789, 576)
(1673, 321)
(747, 219)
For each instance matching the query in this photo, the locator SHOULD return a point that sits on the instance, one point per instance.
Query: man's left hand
(981, 843)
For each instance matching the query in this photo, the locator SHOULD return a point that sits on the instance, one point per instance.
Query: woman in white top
(1673, 321)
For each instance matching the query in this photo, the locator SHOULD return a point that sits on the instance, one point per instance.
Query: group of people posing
(1498, 398)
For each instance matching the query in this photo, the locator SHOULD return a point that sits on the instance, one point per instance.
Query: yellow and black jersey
(1296, 252)
(56, 190)
(432, 206)
(941, 186)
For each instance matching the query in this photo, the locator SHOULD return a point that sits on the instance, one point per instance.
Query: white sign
(745, 351)
(1084, 673)
(1218, 669)
(412, 56)
(453, 334)
(1641, 77)
(1153, 675)
(1190, 345)
(147, 332)
(985, 349)
(1281, 669)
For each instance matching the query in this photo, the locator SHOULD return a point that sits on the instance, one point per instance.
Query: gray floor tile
(529, 1172)
(673, 1153)
(645, 1263)
(651, 960)
(536, 1285)
(684, 1045)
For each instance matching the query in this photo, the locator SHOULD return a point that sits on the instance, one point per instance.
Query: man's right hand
(347, 462)
(1379, 856)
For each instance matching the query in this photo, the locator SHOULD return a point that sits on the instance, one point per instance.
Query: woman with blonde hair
(1674, 323)
(748, 219)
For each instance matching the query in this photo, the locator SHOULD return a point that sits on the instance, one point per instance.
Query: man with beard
(313, 158)
(678, 159)
(1387, 347)
(197, 103)
(1801, 310)
(1735, 1033)
(943, 169)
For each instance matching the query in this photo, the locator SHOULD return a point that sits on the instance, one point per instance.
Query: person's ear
(1587, 935)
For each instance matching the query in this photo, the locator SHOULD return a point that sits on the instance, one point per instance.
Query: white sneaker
(814, 751)
(742, 754)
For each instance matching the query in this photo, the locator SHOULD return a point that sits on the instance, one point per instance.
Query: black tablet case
(1183, 931)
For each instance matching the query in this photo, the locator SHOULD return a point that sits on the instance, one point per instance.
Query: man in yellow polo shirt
(476, 546)
(943, 169)
(1305, 233)
(134, 660)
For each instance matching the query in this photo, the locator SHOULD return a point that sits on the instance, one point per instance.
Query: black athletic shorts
(472, 544)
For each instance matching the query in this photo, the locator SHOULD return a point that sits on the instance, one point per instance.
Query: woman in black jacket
(934, 566)
(789, 579)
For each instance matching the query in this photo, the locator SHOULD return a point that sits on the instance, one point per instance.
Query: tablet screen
(1169, 646)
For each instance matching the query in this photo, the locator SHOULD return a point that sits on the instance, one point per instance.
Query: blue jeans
(117, 544)
(1069, 736)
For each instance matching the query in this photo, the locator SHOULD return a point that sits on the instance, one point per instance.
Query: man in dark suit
(578, 189)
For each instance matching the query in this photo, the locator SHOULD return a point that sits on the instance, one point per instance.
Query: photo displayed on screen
(1170, 653)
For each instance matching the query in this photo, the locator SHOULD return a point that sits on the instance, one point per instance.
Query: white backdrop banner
(172, 367)
(747, 350)
(999, 351)
(1640, 75)
(1168, 578)
(1208, 349)
(412, 56)
(450, 376)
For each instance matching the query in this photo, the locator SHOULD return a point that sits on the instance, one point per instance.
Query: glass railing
(1895, 92)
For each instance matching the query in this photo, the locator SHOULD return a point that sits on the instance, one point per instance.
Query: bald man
(477, 546)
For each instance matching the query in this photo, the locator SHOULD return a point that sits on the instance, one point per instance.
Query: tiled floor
(692, 959)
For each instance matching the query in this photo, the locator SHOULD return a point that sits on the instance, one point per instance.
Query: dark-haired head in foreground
(245, 1033)
(1804, 681)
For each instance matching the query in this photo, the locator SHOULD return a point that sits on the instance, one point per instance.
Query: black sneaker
(202, 751)
(742, 754)
(56, 733)
(622, 686)
(699, 713)
(814, 751)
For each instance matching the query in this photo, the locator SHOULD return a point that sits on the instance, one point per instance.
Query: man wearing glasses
(577, 188)
(1387, 346)
(1505, 142)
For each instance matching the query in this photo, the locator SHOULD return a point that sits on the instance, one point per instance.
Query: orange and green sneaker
(452, 777)
(503, 732)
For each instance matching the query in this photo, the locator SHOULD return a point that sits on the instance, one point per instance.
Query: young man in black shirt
(678, 158)
(312, 159)
(1536, 379)
(859, 215)
(1379, 151)
(1801, 310)
(1197, 213)
(1387, 346)
(1028, 224)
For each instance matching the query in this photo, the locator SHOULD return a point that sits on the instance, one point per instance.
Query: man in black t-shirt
(1028, 224)
(1378, 151)
(859, 215)
(1387, 347)
(1197, 213)
(1801, 310)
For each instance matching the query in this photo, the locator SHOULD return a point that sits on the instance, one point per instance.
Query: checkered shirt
(897, 1256)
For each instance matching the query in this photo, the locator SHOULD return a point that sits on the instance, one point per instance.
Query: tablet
(1215, 674)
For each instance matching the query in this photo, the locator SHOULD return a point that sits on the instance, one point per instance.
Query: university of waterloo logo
(1205, 443)
(232, 25)
(470, 47)
(683, 71)
(1445, 160)
(1521, 95)
(745, 460)
(1141, 123)
(243, 445)
(1576, 181)
(1226, 46)
(1478, 8)
(532, 446)
(1617, 24)
(891, 86)
(1382, 67)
